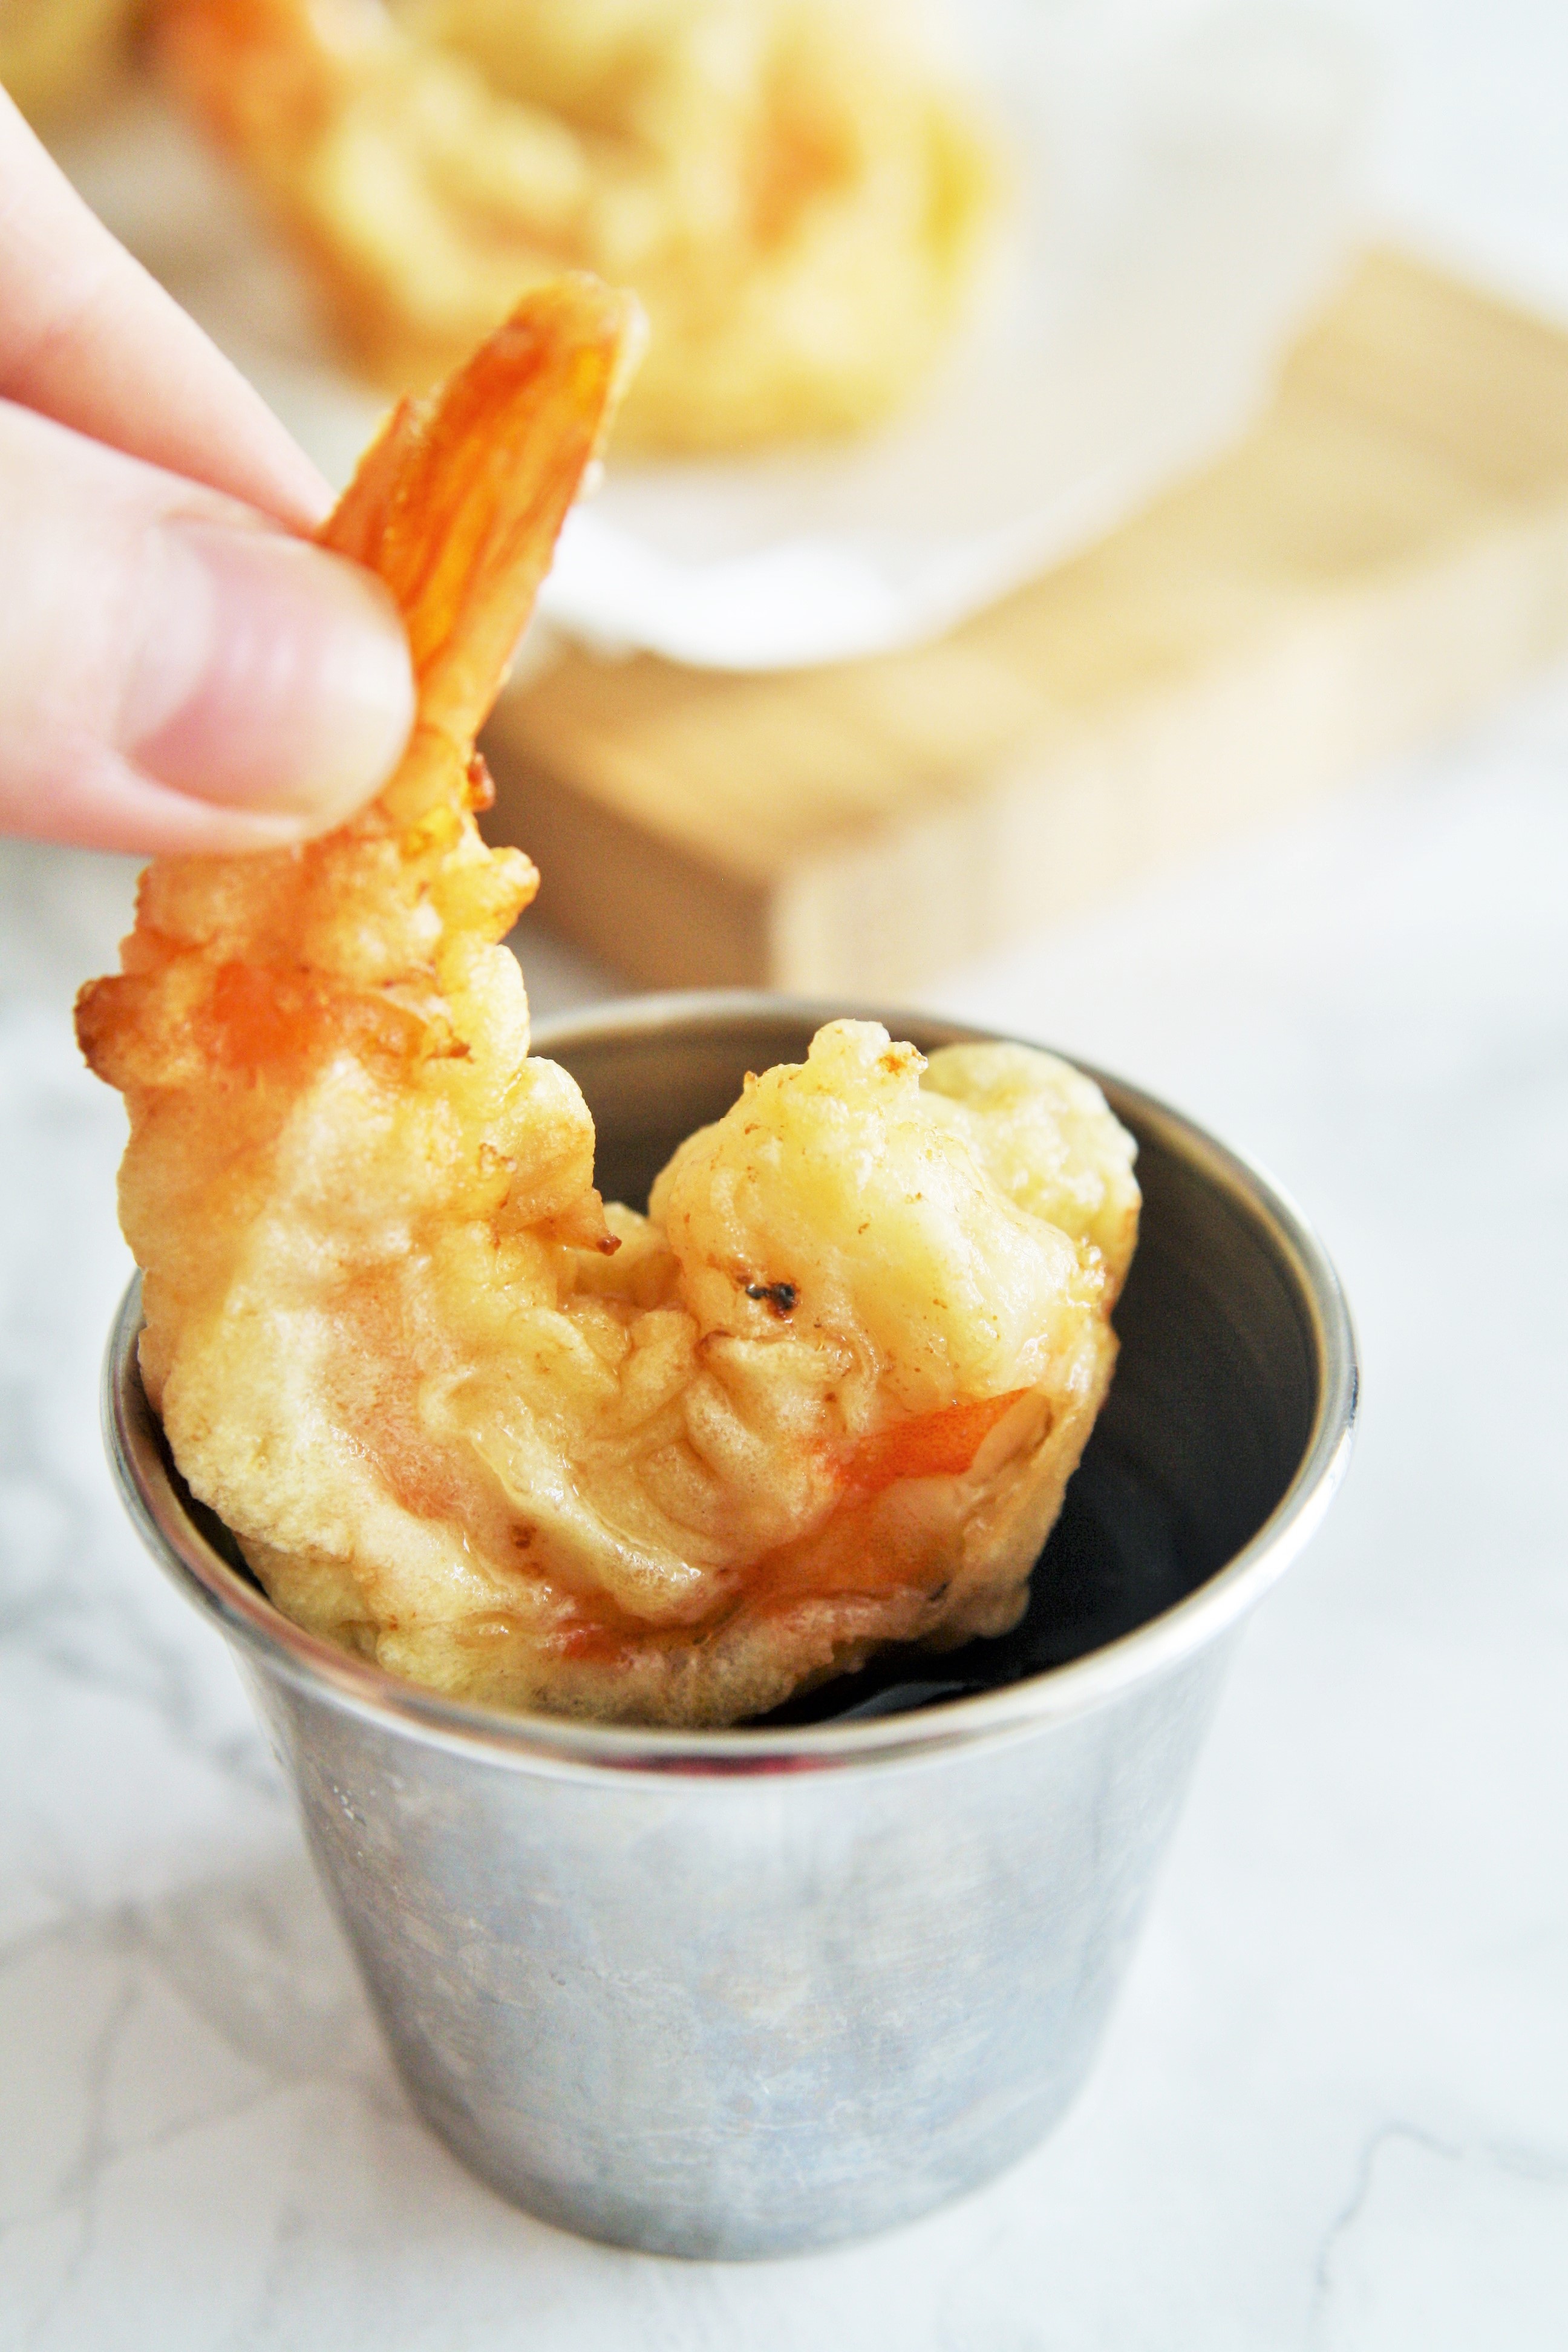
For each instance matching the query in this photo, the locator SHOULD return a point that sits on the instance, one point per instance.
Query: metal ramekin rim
(566, 1743)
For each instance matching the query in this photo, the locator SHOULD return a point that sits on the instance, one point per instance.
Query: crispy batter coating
(797, 201)
(463, 1418)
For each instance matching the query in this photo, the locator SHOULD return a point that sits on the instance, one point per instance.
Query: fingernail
(268, 675)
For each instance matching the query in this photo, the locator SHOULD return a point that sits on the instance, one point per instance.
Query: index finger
(89, 338)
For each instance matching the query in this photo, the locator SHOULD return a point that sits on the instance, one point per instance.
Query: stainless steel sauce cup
(742, 1994)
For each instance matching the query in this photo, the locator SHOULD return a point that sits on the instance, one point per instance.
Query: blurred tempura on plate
(56, 55)
(798, 201)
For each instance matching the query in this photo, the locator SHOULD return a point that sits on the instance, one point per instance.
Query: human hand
(180, 670)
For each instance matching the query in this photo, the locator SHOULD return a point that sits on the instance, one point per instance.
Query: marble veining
(1433, 2232)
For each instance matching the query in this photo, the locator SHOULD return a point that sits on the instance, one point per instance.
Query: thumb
(176, 673)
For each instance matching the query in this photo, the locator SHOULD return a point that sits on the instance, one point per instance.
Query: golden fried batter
(797, 203)
(462, 1418)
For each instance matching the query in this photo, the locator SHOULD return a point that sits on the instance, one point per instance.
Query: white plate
(1184, 208)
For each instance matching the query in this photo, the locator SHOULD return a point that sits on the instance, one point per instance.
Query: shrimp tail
(262, 961)
(457, 503)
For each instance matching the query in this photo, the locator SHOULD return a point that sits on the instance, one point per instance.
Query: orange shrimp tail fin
(459, 502)
(266, 962)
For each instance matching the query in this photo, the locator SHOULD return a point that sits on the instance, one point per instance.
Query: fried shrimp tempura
(462, 1418)
(797, 201)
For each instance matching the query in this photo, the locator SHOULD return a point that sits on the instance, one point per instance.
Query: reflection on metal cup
(742, 1994)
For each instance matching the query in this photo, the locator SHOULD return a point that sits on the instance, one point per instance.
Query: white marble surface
(1332, 2112)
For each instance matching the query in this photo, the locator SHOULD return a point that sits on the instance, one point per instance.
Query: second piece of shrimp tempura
(460, 1417)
